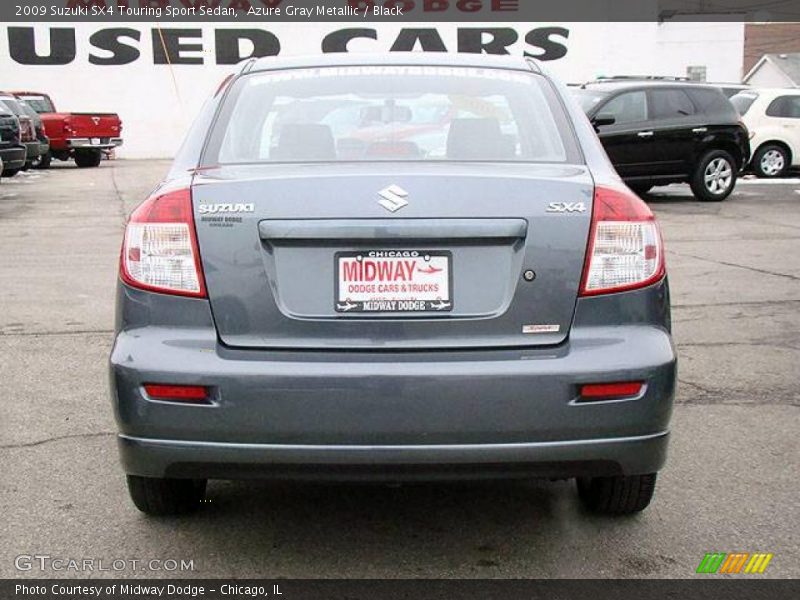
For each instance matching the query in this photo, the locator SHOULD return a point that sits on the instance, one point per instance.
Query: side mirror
(603, 119)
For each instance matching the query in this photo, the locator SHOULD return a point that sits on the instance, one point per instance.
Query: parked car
(286, 309)
(727, 88)
(43, 159)
(658, 133)
(12, 152)
(27, 135)
(83, 137)
(773, 118)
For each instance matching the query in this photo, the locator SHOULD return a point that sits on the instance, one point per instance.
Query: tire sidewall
(760, 155)
(698, 185)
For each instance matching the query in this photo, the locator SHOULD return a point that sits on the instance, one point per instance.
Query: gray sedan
(392, 268)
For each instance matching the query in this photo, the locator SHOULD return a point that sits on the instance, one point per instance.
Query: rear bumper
(572, 458)
(360, 414)
(13, 158)
(87, 144)
(32, 150)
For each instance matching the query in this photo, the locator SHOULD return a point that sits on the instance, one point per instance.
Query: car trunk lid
(278, 242)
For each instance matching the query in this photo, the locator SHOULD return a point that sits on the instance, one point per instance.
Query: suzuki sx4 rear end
(392, 269)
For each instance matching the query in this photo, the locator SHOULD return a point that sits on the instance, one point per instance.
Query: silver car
(392, 268)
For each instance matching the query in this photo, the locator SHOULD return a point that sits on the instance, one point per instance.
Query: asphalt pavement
(731, 481)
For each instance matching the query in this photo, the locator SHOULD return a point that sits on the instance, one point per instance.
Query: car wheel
(159, 497)
(715, 176)
(10, 172)
(771, 161)
(44, 161)
(621, 495)
(85, 159)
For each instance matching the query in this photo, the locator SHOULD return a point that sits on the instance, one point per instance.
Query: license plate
(95, 141)
(393, 281)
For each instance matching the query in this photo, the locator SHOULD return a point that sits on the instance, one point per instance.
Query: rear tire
(44, 161)
(10, 172)
(162, 497)
(771, 161)
(88, 158)
(715, 176)
(622, 495)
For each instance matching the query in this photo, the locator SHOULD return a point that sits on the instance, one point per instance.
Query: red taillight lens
(177, 393)
(625, 250)
(610, 391)
(160, 252)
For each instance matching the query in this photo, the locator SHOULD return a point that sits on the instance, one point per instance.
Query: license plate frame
(401, 302)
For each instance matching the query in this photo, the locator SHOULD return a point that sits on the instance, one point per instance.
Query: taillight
(625, 250)
(160, 250)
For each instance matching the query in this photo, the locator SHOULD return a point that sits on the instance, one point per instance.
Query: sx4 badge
(566, 207)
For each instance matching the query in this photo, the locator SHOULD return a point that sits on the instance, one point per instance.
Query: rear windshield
(26, 108)
(13, 106)
(40, 104)
(391, 113)
(743, 101)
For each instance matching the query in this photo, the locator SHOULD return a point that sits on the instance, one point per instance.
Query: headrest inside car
(304, 142)
(477, 139)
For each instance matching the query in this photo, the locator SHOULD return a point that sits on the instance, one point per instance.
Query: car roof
(437, 59)
(613, 86)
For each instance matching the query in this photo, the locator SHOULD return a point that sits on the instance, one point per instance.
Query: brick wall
(774, 38)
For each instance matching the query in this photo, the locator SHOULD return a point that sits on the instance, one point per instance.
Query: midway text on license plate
(393, 281)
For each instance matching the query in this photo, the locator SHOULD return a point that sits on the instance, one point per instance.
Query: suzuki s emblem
(393, 198)
(96, 120)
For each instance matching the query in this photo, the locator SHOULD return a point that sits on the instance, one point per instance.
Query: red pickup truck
(81, 136)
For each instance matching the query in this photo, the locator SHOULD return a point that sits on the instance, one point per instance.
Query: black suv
(12, 152)
(658, 133)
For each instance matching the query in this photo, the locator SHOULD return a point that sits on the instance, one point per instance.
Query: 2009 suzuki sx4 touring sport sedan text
(391, 269)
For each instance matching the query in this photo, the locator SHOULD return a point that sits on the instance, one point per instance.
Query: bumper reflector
(610, 391)
(197, 394)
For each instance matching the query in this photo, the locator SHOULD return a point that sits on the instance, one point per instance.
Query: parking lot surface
(731, 481)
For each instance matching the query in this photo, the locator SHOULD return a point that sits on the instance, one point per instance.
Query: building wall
(158, 101)
(767, 38)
